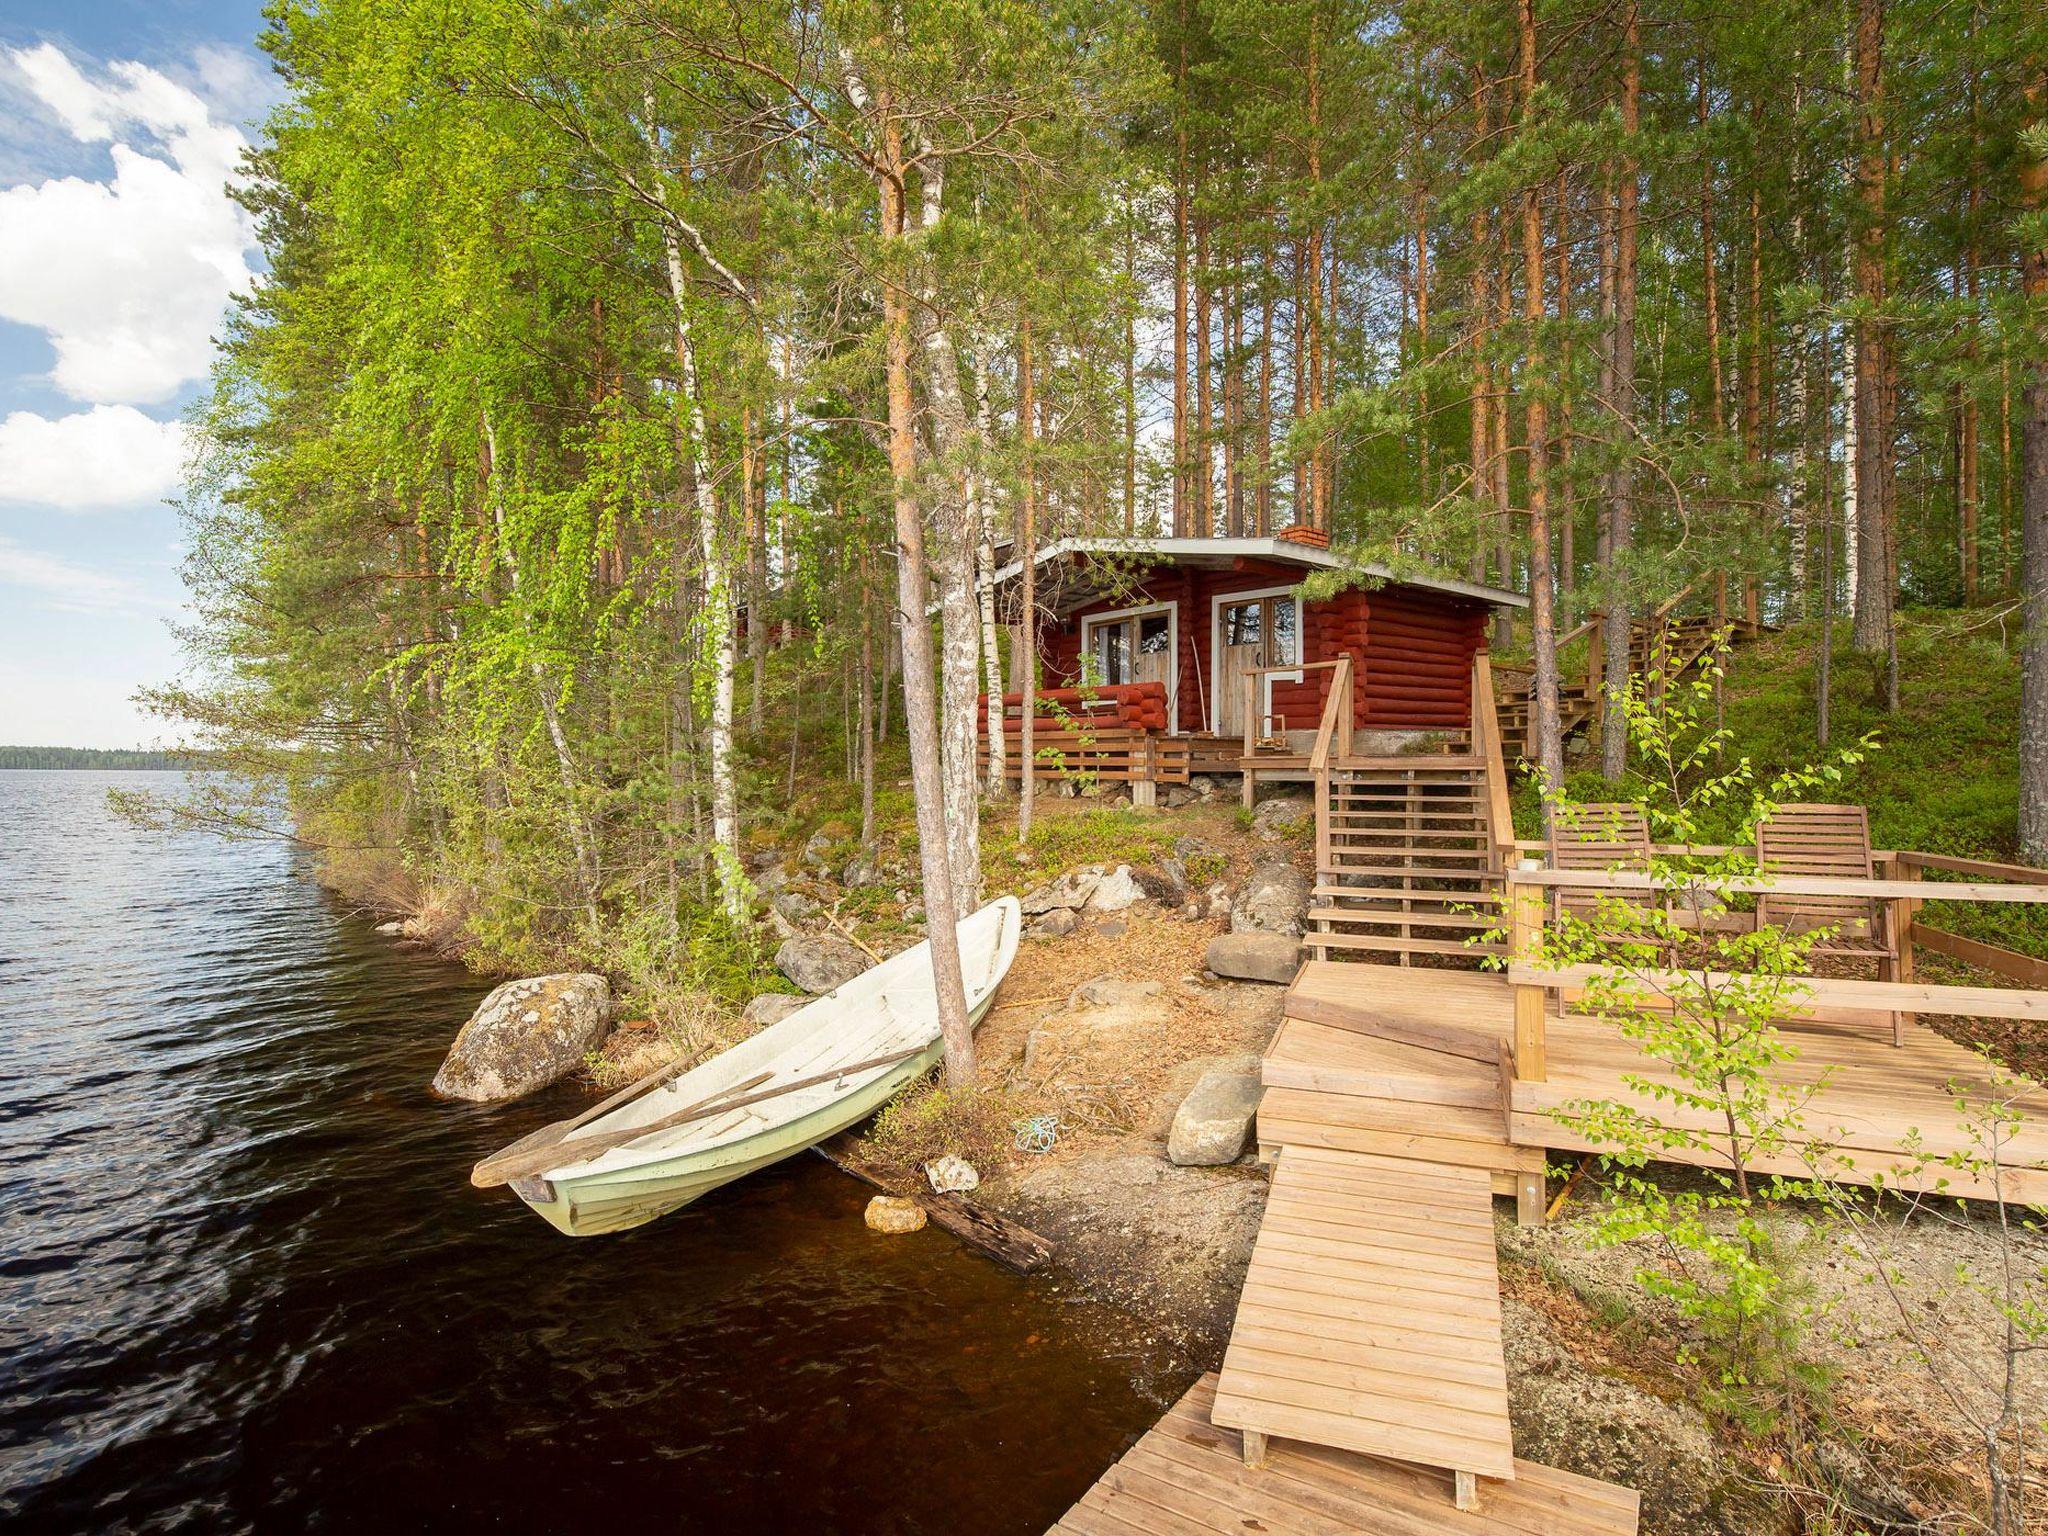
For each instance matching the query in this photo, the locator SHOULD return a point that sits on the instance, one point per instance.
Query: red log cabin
(1197, 617)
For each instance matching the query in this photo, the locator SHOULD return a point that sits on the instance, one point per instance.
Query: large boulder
(1213, 1122)
(1255, 956)
(1274, 900)
(1283, 816)
(525, 1035)
(820, 964)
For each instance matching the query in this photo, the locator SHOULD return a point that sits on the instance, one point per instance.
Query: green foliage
(1701, 1000)
(927, 1120)
(1109, 834)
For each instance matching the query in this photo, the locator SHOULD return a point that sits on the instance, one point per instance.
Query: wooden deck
(1407, 1062)
(1370, 1319)
(1187, 1477)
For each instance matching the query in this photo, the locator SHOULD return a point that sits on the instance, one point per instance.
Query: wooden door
(1255, 632)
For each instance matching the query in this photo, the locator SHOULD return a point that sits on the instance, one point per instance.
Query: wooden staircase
(1665, 632)
(1405, 859)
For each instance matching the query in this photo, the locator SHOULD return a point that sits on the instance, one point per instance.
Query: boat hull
(626, 1198)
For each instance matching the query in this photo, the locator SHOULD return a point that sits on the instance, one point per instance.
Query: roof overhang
(1224, 554)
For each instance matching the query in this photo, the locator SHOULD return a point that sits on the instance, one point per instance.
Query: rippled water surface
(244, 1282)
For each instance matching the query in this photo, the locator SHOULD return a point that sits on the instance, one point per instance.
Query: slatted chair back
(1832, 842)
(1602, 835)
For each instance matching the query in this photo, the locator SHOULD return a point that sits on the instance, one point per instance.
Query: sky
(121, 123)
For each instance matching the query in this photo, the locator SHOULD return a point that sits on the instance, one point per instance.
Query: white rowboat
(829, 1065)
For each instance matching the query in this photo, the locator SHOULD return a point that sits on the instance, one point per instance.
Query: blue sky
(119, 251)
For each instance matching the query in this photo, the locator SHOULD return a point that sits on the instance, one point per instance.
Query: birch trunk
(717, 614)
(985, 585)
(959, 540)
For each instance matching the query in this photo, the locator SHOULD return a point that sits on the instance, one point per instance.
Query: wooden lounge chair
(1603, 835)
(1830, 842)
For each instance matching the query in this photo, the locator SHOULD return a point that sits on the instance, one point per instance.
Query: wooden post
(1467, 1495)
(1525, 918)
(1254, 1448)
(1531, 1200)
(1899, 914)
(1145, 775)
(1250, 788)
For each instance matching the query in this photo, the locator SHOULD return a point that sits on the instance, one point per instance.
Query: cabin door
(1135, 647)
(1253, 630)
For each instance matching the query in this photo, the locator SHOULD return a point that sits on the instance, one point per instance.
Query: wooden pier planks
(1370, 1319)
(1186, 1477)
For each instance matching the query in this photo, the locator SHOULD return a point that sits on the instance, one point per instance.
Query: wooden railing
(1533, 982)
(1333, 733)
(1995, 958)
(1114, 753)
(1255, 719)
(1486, 746)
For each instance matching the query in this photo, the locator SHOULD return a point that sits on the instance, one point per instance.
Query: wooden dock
(1417, 1063)
(1187, 1477)
(1370, 1319)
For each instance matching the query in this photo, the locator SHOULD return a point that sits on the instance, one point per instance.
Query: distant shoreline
(99, 757)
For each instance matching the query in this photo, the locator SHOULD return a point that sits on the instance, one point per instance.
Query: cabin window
(1122, 648)
(1267, 623)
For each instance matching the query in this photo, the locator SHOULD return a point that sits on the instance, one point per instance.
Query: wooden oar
(507, 1166)
(556, 1130)
(517, 1160)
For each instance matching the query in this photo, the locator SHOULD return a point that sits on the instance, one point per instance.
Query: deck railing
(1488, 747)
(1535, 984)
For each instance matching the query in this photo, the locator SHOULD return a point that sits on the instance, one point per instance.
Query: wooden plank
(2024, 874)
(1990, 957)
(1797, 885)
(1424, 1294)
(1822, 991)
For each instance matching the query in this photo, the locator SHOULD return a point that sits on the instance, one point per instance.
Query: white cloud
(67, 586)
(109, 456)
(127, 277)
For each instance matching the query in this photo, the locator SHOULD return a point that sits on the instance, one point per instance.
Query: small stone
(772, 1008)
(1056, 924)
(1115, 928)
(395, 929)
(794, 907)
(950, 1175)
(816, 847)
(893, 1214)
(862, 869)
(1167, 884)
(1116, 891)
(1111, 992)
(1069, 892)
(1273, 957)
(1212, 1123)
(819, 965)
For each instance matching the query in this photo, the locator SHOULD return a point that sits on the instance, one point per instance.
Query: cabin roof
(1221, 554)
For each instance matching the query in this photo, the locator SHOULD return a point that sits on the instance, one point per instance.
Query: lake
(245, 1283)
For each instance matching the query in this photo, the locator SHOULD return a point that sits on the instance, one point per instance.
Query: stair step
(1402, 919)
(1397, 945)
(1327, 889)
